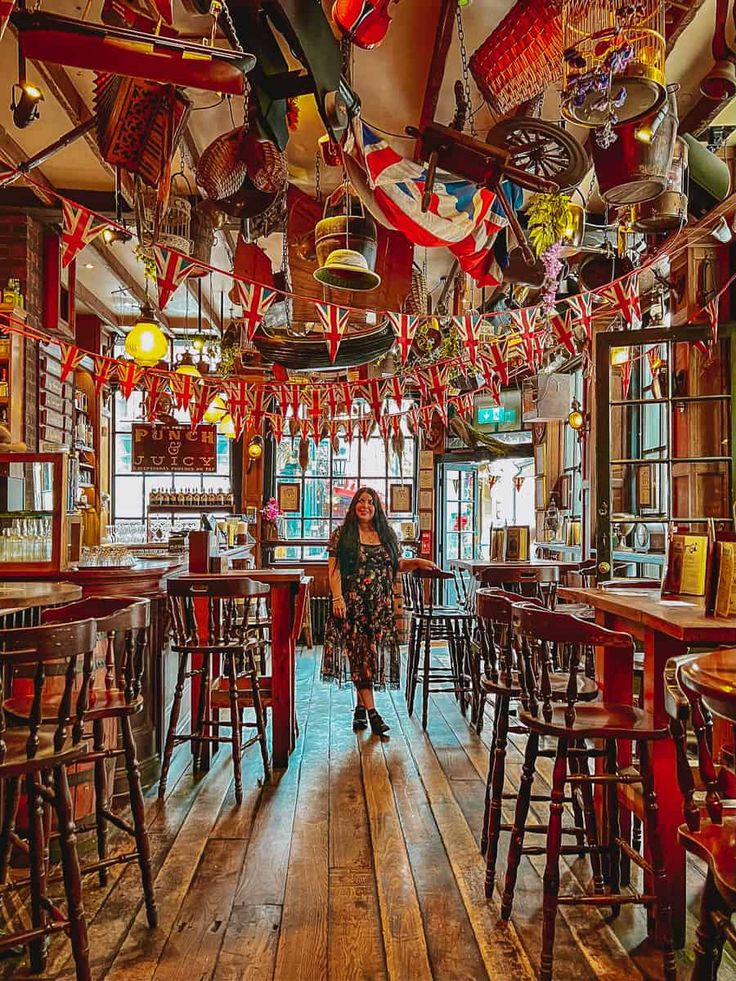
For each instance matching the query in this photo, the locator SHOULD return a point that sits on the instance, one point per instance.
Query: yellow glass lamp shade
(216, 411)
(146, 343)
(576, 420)
(255, 448)
(226, 426)
(188, 369)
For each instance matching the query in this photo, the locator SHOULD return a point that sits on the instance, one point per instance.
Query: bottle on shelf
(4, 384)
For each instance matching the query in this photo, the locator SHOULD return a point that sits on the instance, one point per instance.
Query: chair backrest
(548, 641)
(227, 601)
(124, 620)
(533, 580)
(685, 706)
(493, 611)
(425, 589)
(53, 650)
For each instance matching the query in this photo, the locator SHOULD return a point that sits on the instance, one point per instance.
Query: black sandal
(360, 718)
(378, 726)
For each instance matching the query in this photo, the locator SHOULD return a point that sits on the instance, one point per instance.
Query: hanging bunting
(374, 395)
(432, 382)
(412, 420)
(171, 271)
(625, 367)
(490, 379)
(531, 343)
(334, 320)
(468, 326)
(201, 401)
(384, 429)
(283, 396)
(405, 327)
(102, 371)
(78, 230)
(496, 357)
(314, 404)
(582, 306)
(276, 422)
(183, 388)
(623, 296)
(463, 404)
(71, 358)
(238, 403)
(396, 386)
(154, 385)
(346, 389)
(129, 374)
(711, 310)
(654, 357)
(395, 421)
(257, 398)
(6, 9)
(255, 301)
(365, 426)
(563, 332)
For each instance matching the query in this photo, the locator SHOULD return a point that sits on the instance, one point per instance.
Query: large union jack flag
(462, 217)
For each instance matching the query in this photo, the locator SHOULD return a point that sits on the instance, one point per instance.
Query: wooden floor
(360, 862)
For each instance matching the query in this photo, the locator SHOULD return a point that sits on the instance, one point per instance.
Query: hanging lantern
(216, 411)
(186, 366)
(572, 237)
(346, 241)
(255, 448)
(226, 426)
(146, 343)
(614, 61)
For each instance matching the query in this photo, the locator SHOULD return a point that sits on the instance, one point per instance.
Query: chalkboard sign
(158, 449)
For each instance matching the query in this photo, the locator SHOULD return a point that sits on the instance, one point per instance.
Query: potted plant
(269, 520)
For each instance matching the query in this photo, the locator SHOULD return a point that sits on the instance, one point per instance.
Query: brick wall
(21, 258)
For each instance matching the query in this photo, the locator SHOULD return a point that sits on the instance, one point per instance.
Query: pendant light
(146, 343)
(226, 426)
(216, 411)
(186, 366)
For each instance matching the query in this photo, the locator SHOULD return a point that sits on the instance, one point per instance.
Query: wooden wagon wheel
(541, 149)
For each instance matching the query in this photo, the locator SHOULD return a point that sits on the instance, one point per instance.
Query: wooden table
(289, 593)
(476, 566)
(666, 628)
(713, 677)
(25, 595)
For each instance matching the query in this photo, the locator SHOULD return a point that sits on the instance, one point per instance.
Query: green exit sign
(493, 414)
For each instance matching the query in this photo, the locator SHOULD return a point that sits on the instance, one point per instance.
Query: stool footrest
(611, 899)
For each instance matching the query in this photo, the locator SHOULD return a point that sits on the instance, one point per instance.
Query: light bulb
(146, 343)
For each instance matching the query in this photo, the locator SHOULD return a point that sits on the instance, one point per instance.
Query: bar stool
(34, 749)
(501, 680)
(570, 722)
(538, 581)
(222, 630)
(709, 824)
(431, 620)
(124, 621)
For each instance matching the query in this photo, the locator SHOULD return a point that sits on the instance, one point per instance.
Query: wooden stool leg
(709, 935)
(173, 723)
(72, 875)
(577, 809)
(489, 778)
(552, 867)
(10, 810)
(651, 817)
(235, 727)
(520, 815)
(614, 825)
(138, 813)
(260, 721)
(495, 814)
(590, 823)
(201, 749)
(425, 678)
(37, 871)
(415, 647)
(98, 735)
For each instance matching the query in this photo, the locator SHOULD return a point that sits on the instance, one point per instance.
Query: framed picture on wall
(400, 499)
(645, 485)
(289, 497)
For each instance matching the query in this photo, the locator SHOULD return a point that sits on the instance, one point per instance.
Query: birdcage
(614, 60)
(168, 227)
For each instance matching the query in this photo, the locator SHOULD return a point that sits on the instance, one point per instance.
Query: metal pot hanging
(669, 210)
(346, 242)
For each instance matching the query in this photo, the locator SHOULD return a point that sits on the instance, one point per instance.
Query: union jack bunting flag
(623, 295)
(531, 342)
(171, 271)
(432, 382)
(365, 426)
(155, 386)
(183, 388)
(314, 402)
(562, 329)
(374, 395)
(276, 421)
(79, 228)
(334, 320)
(461, 216)
(71, 358)
(238, 403)
(6, 9)
(203, 396)
(347, 396)
(396, 387)
(255, 301)
(468, 326)
(495, 356)
(625, 378)
(102, 370)
(129, 374)
(405, 327)
(582, 306)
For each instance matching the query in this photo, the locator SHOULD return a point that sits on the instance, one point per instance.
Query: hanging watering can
(669, 210)
(346, 242)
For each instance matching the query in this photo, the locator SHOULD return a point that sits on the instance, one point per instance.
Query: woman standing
(361, 639)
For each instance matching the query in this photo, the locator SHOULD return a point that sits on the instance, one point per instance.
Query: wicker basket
(221, 169)
(265, 163)
(522, 56)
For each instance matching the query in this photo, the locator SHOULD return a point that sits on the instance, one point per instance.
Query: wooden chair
(124, 622)
(501, 680)
(37, 747)
(220, 628)
(431, 620)
(569, 722)
(693, 685)
(538, 581)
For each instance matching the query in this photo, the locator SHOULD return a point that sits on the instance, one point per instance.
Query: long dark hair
(349, 539)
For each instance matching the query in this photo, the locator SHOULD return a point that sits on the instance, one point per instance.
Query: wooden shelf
(190, 508)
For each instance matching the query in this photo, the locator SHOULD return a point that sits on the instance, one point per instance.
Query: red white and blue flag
(468, 326)
(405, 327)
(79, 228)
(334, 320)
(6, 9)
(461, 216)
(171, 271)
(623, 295)
(255, 301)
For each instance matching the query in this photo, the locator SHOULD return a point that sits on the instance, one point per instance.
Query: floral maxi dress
(363, 647)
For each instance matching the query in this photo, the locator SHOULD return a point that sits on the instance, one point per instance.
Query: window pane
(123, 450)
(316, 499)
(317, 529)
(129, 497)
(700, 490)
(701, 429)
(223, 454)
(374, 458)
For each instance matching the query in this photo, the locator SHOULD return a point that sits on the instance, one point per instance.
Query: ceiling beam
(14, 155)
(436, 74)
(95, 304)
